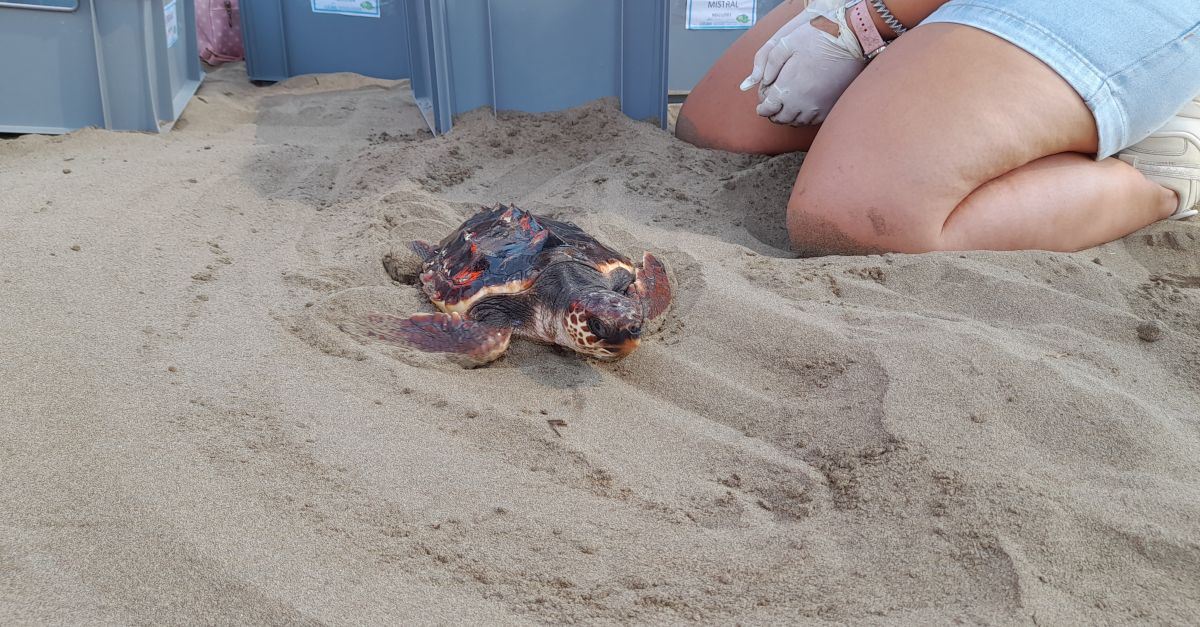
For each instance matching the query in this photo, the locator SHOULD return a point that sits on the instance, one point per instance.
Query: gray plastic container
(693, 52)
(286, 38)
(537, 55)
(109, 64)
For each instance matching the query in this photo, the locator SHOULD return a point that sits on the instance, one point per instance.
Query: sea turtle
(506, 271)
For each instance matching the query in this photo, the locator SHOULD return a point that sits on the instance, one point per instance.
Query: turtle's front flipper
(652, 288)
(443, 333)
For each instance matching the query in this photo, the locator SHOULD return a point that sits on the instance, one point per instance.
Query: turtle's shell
(502, 250)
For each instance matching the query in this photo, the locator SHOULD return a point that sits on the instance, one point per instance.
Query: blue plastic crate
(538, 55)
(128, 65)
(286, 38)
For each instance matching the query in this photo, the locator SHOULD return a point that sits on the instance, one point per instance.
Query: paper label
(49, 5)
(357, 8)
(171, 18)
(721, 14)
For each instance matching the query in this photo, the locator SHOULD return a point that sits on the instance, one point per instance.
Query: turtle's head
(603, 324)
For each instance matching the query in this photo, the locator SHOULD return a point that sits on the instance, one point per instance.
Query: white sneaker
(1171, 157)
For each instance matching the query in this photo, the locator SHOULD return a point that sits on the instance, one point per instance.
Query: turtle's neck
(564, 282)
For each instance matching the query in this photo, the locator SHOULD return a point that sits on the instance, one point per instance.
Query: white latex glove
(803, 70)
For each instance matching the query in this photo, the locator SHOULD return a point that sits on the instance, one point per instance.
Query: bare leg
(1024, 209)
(954, 139)
(719, 115)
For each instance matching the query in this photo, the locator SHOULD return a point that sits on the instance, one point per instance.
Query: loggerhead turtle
(506, 271)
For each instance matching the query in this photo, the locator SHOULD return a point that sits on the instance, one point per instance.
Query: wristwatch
(864, 28)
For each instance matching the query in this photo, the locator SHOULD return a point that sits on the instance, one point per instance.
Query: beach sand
(193, 431)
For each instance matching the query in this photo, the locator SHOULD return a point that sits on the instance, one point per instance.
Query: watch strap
(864, 28)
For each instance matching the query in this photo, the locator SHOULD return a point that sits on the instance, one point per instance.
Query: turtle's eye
(598, 327)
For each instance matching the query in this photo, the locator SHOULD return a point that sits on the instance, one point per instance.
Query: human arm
(804, 68)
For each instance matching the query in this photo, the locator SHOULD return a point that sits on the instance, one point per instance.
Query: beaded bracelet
(888, 18)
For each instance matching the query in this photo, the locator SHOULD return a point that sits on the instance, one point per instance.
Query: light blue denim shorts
(1134, 62)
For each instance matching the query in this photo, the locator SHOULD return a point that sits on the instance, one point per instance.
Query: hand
(803, 69)
(760, 57)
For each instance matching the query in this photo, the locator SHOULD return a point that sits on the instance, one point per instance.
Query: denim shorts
(1134, 62)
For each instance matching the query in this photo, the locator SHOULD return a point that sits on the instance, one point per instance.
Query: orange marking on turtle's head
(627, 347)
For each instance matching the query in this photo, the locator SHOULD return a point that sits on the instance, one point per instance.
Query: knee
(844, 221)
(688, 129)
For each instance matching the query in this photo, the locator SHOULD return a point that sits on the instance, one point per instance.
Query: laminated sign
(360, 8)
(49, 5)
(720, 14)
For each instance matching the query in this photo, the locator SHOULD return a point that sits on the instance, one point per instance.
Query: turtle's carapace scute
(502, 250)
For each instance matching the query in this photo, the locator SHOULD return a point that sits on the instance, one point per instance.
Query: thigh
(1134, 63)
(943, 110)
(717, 114)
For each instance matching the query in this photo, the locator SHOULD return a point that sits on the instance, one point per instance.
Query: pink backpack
(219, 31)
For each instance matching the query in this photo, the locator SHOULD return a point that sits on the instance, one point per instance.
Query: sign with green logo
(358, 8)
(721, 14)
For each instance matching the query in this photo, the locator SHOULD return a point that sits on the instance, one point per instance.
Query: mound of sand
(191, 430)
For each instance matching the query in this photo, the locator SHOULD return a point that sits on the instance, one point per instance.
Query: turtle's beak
(626, 347)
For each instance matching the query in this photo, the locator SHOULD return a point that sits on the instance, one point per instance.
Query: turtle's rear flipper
(423, 249)
(471, 341)
(405, 265)
(652, 287)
